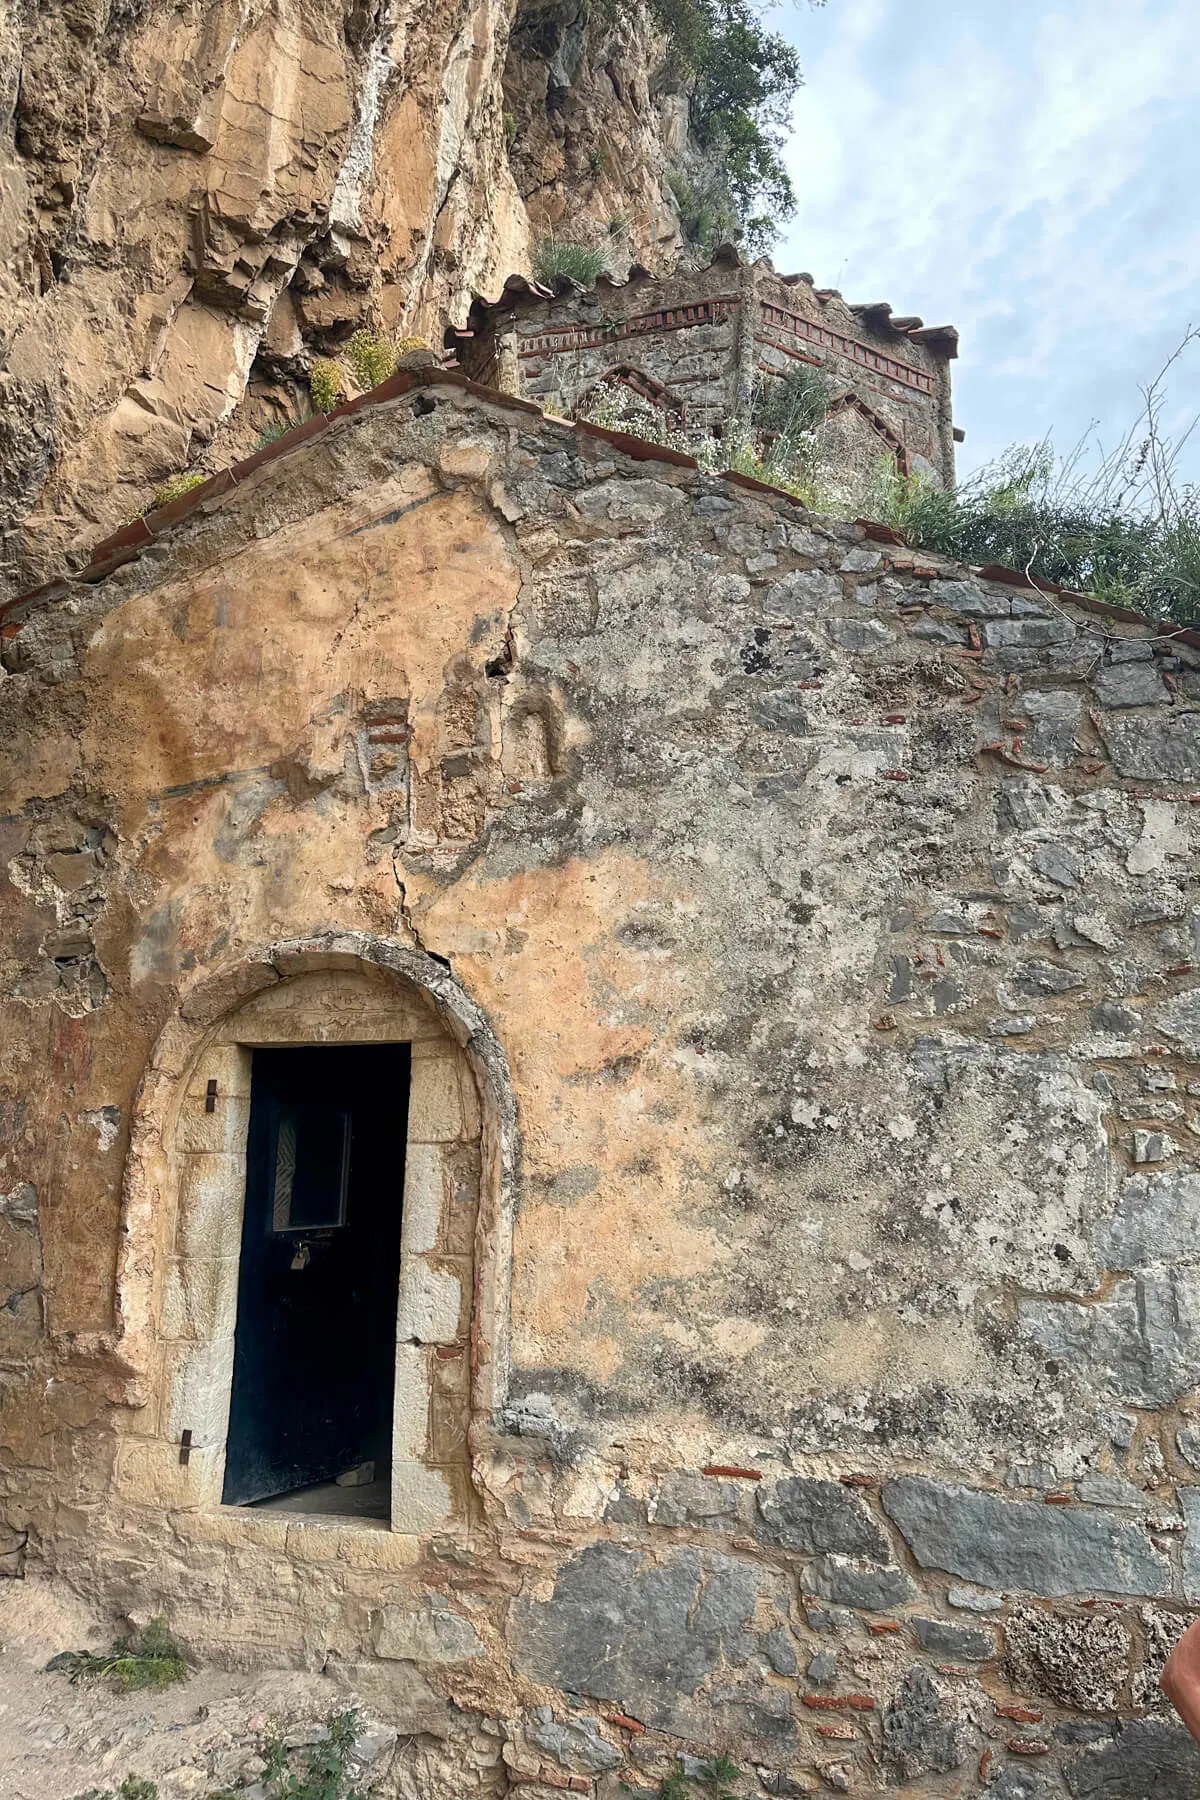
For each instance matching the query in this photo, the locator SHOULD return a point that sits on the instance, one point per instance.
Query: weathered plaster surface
(820, 925)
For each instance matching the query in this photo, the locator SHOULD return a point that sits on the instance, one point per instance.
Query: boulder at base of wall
(647, 1637)
(1149, 1759)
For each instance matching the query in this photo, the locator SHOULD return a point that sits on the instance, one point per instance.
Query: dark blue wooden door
(314, 1356)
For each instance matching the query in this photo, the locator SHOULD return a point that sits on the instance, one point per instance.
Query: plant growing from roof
(554, 258)
(325, 383)
(175, 488)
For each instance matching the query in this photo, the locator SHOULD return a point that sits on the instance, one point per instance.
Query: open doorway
(310, 1424)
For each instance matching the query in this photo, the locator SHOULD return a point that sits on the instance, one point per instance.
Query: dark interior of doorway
(310, 1421)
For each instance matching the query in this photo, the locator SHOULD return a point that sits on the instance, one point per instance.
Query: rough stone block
(577, 1744)
(430, 1304)
(928, 1728)
(435, 1110)
(640, 1635)
(1140, 1344)
(200, 1297)
(1150, 1758)
(871, 1587)
(208, 1222)
(1024, 1546)
(955, 1643)
(410, 1407)
(424, 1197)
(1129, 684)
(422, 1498)
(806, 592)
(1157, 1220)
(1077, 1662)
(1154, 749)
(430, 1633)
(808, 1515)
(697, 1500)
(219, 1132)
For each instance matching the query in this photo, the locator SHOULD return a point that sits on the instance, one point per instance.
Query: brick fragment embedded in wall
(790, 1043)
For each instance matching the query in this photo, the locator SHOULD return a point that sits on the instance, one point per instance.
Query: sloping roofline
(126, 544)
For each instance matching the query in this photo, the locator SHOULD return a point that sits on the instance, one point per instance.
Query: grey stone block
(1139, 1345)
(808, 591)
(781, 1651)
(1150, 1760)
(955, 1643)
(1154, 749)
(1157, 1220)
(1130, 684)
(1178, 1020)
(868, 1586)
(823, 1667)
(1189, 1500)
(429, 1634)
(928, 1730)
(1027, 634)
(1111, 1490)
(860, 634)
(1034, 979)
(975, 602)
(974, 1600)
(641, 1635)
(1058, 865)
(809, 1515)
(1024, 1546)
(1020, 1781)
(577, 1744)
(696, 1500)
(1187, 1442)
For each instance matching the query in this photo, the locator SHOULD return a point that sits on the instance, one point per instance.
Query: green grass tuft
(554, 257)
(150, 1659)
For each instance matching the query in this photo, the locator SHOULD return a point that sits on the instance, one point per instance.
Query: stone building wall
(701, 342)
(802, 933)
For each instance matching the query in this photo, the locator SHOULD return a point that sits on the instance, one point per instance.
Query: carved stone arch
(184, 1186)
(645, 386)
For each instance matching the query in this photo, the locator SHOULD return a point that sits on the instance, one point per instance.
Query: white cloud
(1024, 170)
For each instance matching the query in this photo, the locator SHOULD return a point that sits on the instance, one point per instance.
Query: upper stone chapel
(698, 344)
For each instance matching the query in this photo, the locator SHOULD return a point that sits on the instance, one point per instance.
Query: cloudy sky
(1028, 170)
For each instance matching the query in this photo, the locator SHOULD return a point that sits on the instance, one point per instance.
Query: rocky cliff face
(197, 195)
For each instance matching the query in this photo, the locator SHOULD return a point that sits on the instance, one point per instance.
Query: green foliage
(797, 402)
(176, 488)
(1030, 513)
(716, 1777)
(150, 1659)
(325, 383)
(322, 1775)
(708, 216)
(554, 257)
(743, 80)
(372, 358)
(510, 129)
(278, 430)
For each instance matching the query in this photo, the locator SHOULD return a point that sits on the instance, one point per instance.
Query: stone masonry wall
(834, 909)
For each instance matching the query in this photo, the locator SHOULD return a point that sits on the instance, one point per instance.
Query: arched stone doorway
(185, 1198)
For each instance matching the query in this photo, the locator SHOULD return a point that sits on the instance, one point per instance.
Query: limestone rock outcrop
(198, 195)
